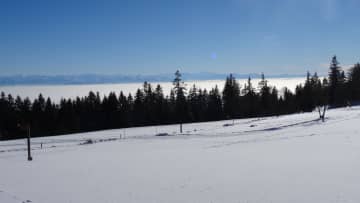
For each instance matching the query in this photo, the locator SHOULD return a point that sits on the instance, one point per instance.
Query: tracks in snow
(12, 197)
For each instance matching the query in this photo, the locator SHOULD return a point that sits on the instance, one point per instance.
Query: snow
(292, 158)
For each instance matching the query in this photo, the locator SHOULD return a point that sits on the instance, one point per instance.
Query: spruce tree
(214, 110)
(193, 100)
(231, 97)
(124, 110)
(139, 108)
(264, 90)
(249, 101)
(354, 82)
(159, 105)
(335, 81)
(180, 99)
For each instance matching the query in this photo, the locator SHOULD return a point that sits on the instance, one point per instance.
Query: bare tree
(322, 111)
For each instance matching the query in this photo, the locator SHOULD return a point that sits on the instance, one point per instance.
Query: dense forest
(150, 106)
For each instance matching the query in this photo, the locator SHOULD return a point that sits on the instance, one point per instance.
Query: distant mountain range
(103, 79)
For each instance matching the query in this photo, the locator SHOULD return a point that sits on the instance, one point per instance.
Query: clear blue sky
(149, 36)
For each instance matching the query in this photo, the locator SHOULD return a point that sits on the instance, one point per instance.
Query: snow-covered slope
(293, 158)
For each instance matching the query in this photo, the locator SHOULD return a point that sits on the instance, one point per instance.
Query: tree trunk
(323, 114)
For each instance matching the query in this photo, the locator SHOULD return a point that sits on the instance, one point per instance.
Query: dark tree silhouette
(231, 97)
(336, 81)
(149, 106)
(180, 99)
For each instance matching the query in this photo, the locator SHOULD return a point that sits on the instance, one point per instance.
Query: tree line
(150, 106)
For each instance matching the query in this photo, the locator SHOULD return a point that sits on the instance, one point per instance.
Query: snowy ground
(293, 158)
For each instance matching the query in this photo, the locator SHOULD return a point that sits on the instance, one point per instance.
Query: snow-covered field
(293, 158)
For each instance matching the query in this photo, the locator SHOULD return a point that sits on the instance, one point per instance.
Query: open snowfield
(293, 158)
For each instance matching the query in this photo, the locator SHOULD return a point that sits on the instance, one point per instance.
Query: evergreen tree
(139, 108)
(194, 103)
(354, 82)
(111, 111)
(308, 94)
(149, 103)
(124, 110)
(160, 107)
(249, 101)
(180, 102)
(131, 117)
(273, 101)
(288, 102)
(215, 110)
(335, 82)
(264, 95)
(231, 97)
(151, 107)
(172, 105)
(203, 98)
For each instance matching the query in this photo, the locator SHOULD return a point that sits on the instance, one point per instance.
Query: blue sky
(149, 37)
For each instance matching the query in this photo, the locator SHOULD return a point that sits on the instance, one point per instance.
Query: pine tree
(264, 95)
(231, 97)
(308, 94)
(111, 111)
(193, 103)
(335, 82)
(159, 105)
(180, 104)
(273, 101)
(214, 110)
(149, 103)
(139, 108)
(203, 101)
(289, 102)
(248, 88)
(354, 82)
(172, 105)
(249, 101)
(130, 118)
(124, 110)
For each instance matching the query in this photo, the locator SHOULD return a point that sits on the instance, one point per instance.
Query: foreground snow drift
(293, 158)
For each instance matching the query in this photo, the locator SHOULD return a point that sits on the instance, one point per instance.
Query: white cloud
(324, 67)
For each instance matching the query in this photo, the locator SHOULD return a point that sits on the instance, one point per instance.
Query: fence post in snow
(23, 126)
(28, 144)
